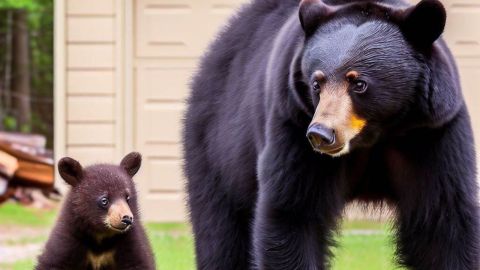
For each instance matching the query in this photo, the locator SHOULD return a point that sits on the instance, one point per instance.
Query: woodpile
(26, 166)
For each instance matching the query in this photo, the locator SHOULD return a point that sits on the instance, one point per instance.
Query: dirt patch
(11, 254)
(20, 243)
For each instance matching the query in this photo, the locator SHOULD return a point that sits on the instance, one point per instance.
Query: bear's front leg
(299, 201)
(438, 211)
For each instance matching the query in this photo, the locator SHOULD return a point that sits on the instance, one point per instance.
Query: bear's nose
(127, 220)
(320, 135)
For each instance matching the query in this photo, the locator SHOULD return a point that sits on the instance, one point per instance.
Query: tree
(21, 69)
(14, 114)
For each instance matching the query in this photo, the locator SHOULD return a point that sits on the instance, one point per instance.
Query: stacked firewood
(25, 164)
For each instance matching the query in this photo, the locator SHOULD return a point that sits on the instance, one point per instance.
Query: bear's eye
(128, 198)
(104, 201)
(316, 85)
(359, 86)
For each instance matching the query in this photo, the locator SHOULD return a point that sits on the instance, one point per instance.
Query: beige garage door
(169, 37)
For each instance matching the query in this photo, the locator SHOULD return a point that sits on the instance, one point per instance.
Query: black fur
(80, 229)
(260, 197)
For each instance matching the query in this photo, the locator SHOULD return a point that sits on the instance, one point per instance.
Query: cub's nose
(320, 135)
(127, 220)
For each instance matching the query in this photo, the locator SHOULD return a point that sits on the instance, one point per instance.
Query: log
(32, 140)
(34, 174)
(27, 153)
(8, 164)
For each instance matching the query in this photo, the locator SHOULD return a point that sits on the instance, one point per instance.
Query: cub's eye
(128, 198)
(316, 85)
(103, 202)
(359, 86)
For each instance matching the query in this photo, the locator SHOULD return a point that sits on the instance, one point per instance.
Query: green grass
(370, 252)
(365, 225)
(172, 244)
(20, 265)
(362, 245)
(15, 215)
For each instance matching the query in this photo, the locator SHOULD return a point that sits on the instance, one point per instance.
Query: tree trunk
(21, 69)
(5, 92)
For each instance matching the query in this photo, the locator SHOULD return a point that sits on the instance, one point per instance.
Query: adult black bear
(371, 87)
(99, 226)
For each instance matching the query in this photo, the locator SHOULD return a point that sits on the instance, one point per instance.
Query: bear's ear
(70, 170)
(312, 13)
(131, 163)
(424, 23)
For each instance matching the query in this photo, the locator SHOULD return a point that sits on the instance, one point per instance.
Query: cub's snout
(119, 216)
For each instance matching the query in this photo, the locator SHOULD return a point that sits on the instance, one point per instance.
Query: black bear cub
(99, 226)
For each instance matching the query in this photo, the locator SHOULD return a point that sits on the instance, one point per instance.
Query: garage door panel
(450, 4)
(82, 134)
(178, 28)
(164, 25)
(80, 29)
(462, 40)
(90, 56)
(90, 7)
(92, 154)
(164, 84)
(164, 175)
(232, 4)
(88, 109)
(85, 82)
(164, 207)
(161, 123)
(163, 150)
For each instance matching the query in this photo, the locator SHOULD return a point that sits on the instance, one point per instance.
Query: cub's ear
(70, 170)
(312, 13)
(424, 23)
(131, 163)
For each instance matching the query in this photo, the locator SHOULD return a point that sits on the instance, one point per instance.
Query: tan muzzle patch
(335, 112)
(117, 214)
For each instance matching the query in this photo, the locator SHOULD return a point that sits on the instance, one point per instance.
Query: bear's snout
(119, 216)
(319, 136)
(127, 220)
(335, 122)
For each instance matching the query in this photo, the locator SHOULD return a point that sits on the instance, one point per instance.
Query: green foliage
(26, 128)
(38, 122)
(30, 5)
(9, 123)
(40, 23)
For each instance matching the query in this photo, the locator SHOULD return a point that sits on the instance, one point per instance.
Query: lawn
(362, 245)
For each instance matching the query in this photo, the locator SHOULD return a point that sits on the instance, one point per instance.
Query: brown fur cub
(99, 226)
